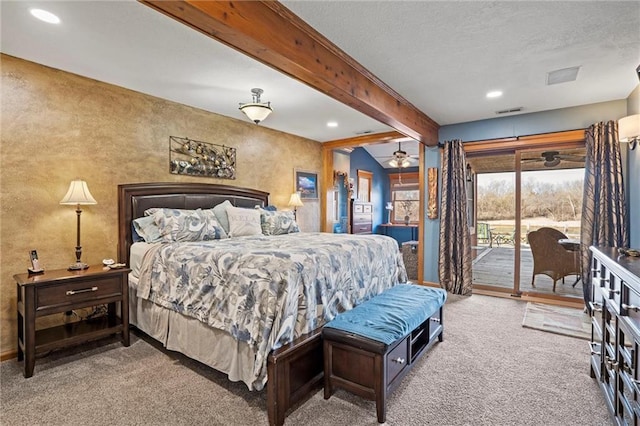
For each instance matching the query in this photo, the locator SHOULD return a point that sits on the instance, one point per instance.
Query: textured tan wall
(57, 126)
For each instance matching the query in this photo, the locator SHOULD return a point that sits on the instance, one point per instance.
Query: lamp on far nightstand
(78, 195)
(295, 202)
(389, 207)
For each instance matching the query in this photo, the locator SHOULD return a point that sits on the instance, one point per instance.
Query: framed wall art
(196, 158)
(306, 183)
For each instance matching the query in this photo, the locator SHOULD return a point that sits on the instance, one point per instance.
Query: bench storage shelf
(370, 368)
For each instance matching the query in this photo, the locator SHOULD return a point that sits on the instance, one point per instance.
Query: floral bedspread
(268, 290)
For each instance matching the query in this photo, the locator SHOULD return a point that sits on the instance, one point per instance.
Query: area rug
(557, 319)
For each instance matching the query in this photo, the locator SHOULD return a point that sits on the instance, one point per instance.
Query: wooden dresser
(361, 217)
(615, 331)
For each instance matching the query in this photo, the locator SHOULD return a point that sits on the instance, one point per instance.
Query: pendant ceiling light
(256, 110)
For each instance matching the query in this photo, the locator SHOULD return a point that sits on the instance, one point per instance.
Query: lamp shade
(295, 200)
(399, 162)
(78, 193)
(629, 128)
(256, 112)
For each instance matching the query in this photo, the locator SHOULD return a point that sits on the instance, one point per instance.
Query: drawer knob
(593, 346)
(595, 307)
(595, 271)
(614, 291)
(399, 360)
(84, 290)
(611, 364)
(630, 307)
(435, 319)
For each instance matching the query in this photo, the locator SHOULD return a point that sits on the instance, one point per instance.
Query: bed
(294, 284)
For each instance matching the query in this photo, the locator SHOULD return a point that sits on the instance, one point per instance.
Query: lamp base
(78, 266)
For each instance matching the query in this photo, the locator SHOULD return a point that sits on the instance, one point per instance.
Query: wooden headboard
(135, 198)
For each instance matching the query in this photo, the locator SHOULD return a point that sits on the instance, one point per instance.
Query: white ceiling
(442, 56)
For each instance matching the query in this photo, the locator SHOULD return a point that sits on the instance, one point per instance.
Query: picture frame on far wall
(306, 183)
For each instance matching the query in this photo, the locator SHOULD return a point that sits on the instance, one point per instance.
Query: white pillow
(147, 229)
(220, 211)
(243, 221)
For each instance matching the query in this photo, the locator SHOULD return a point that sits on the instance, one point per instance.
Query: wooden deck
(494, 266)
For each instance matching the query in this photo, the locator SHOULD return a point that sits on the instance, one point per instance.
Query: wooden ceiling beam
(368, 139)
(270, 33)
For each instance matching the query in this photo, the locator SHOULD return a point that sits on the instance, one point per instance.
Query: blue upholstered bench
(369, 349)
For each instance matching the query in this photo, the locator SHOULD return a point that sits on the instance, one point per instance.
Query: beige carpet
(557, 319)
(488, 371)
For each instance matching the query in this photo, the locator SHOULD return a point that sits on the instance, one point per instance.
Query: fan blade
(574, 158)
(552, 163)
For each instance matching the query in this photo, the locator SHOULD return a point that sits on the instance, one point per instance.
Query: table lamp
(78, 195)
(295, 202)
(389, 207)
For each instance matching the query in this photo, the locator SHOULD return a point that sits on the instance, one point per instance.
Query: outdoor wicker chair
(550, 257)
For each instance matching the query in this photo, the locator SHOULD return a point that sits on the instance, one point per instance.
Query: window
(405, 198)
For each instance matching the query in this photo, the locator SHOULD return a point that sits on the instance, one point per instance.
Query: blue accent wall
(362, 160)
(529, 124)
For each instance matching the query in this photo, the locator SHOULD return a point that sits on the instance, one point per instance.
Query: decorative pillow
(243, 222)
(146, 229)
(278, 223)
(220, 211)
(187, 225)
(269, 208)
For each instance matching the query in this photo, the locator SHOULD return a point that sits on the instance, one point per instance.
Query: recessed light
(45, 16)
(332, 124)
(494, 94)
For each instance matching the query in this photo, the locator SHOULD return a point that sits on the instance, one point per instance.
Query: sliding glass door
(494, 261)
(551, 208)
(527, 205)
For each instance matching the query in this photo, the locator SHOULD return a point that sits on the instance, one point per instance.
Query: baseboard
(549, 300)
(8, 355)
(430, 284)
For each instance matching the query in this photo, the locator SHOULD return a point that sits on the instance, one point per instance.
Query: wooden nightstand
(60, 291)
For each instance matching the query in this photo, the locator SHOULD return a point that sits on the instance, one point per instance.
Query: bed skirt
(176, 332)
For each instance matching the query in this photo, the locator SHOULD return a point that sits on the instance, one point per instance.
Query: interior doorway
(517, 192)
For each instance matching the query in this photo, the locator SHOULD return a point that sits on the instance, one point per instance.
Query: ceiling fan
(401, 159)
(553, 158)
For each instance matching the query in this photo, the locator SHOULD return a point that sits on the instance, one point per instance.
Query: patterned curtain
(603, 207)
(454, 262)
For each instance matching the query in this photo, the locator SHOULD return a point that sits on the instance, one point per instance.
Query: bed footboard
(294, 372)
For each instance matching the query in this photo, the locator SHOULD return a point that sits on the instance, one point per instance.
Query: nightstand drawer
(360, 218)
(360, 228)
(71, 293)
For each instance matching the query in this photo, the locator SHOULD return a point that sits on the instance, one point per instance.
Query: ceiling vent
(509, 111)
(562, 76)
